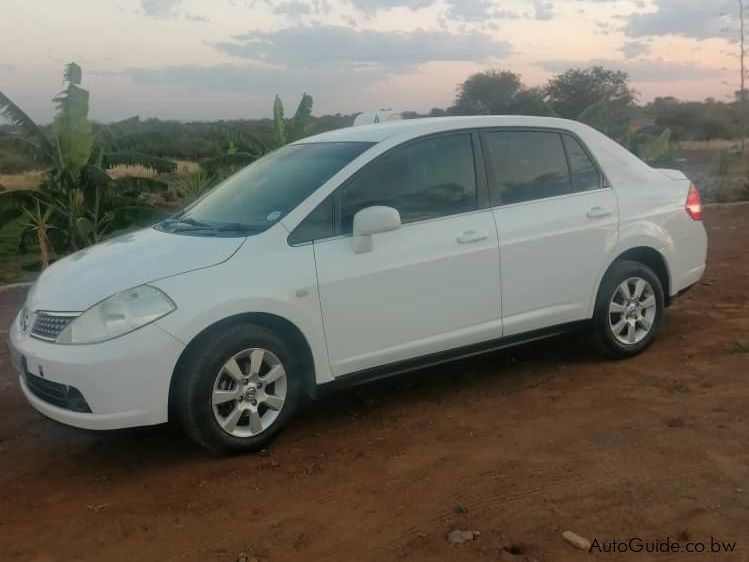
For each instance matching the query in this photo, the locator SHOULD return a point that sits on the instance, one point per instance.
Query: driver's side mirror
(373, 220)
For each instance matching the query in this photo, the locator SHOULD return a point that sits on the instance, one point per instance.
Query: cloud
(543, 10)
(373, 6)
(254, 80)
(465, 10)
(343, 67)
(643, 70)
(335, 45)
(295, 9)
(194, 17)
(505, 14)
(470, 10)
(698, 19)
(292, 9)
(634, 49)
(160, 8)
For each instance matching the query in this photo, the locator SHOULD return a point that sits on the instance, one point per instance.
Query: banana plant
(89, 202)
(284, 132)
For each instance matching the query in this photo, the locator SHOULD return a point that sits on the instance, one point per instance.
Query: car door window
(319, 224)
(423, 180)
(585, 175)
(526, 165)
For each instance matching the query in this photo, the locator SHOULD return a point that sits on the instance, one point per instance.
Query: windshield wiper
(192, 225)
(236, 226)
(190, 222)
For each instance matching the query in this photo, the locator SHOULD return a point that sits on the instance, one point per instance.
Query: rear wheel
(238, 389)
(629, 309)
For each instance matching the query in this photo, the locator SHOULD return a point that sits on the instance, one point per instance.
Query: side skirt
(400, 367)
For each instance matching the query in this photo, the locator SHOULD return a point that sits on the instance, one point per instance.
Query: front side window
(526, 165)
(423, 180)
(263, 193)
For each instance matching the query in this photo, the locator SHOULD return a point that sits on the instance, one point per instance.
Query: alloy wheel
(249, 392)
(632, 310)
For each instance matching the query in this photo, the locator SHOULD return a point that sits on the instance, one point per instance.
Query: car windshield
(261, 194)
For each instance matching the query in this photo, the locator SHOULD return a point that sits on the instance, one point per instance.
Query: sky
(224, 59)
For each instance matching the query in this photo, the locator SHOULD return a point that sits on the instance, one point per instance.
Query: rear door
(428, 287)
(557, 221)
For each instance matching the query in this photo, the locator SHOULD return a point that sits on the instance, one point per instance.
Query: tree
(530, 101)
(496, 93)
(573, 91)
(487, 93)
(77, 200)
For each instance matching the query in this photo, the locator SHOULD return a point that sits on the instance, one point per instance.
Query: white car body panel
(416, 293)
(551, 255)
(90, 275)
(409, 296)
(242, 285)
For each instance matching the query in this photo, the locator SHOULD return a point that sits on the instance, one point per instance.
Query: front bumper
(124, 381)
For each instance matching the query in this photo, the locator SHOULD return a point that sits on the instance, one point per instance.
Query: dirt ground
(519, 445)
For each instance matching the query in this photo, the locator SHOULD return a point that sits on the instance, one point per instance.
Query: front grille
(48, 325)
(60, 395)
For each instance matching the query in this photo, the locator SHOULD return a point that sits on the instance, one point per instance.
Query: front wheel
(238, 389)
(629, 309)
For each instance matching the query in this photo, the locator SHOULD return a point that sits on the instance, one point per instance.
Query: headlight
(118, 315)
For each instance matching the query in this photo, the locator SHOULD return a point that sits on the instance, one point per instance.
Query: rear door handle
(471, 236)
(598, 213)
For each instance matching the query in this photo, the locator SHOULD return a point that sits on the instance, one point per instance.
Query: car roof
(412, 128)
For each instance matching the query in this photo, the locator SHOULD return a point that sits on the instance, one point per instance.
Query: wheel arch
(286, 329)
(648, 256)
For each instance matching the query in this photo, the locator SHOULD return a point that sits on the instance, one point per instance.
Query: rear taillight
(694, 204)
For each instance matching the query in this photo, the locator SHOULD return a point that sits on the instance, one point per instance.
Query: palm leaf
(302, 115)
(72, 127)
(279, 126)
(131, 158)
(73, 74)
(17, 117)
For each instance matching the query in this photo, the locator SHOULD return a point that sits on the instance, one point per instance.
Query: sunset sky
(203, 60)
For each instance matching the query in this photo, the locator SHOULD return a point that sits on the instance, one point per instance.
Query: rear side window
(426, 179)
(526, 165)
(585, 175)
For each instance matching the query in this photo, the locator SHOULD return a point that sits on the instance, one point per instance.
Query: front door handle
(598, 213)
(471, 236)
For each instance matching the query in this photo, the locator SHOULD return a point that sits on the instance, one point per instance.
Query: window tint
(585, 176)
(318, 224)
(424, 180)
(526, 165)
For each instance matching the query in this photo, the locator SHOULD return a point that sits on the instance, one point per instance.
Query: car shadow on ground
(509, 370)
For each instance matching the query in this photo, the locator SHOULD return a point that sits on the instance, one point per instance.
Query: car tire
(629, 309)
(237, 388)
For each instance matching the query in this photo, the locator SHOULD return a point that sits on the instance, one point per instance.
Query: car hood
(80, 280)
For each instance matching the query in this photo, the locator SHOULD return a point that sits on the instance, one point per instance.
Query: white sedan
(355, 254)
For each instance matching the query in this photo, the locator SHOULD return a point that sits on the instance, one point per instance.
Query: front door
(430, 286)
